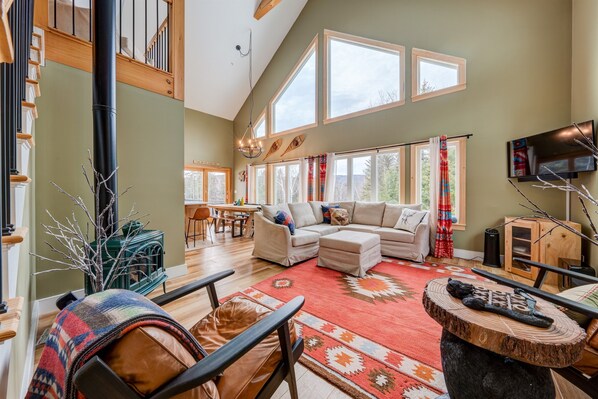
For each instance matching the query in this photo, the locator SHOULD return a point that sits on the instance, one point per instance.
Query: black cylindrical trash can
(491, 248)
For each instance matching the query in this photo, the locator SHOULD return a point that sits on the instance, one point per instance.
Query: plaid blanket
(85, 327)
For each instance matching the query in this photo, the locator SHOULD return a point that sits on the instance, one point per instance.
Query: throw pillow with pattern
(339, 217)
(326, 212)
(285, 219)
(410, 219)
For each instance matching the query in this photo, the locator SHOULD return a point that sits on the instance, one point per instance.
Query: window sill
(459, 227)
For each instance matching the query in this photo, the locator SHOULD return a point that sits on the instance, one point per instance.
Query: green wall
(208, 138)
(518, 82)
(584, 96)
(150, 157)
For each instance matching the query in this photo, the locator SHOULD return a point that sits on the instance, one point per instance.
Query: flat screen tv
(557, 151)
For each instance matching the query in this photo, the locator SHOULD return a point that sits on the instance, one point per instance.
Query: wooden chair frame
(96, 380)
(587, 384)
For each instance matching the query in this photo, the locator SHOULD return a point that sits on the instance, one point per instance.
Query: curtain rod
(384, 147)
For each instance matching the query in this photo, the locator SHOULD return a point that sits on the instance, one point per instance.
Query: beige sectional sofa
(275, 243)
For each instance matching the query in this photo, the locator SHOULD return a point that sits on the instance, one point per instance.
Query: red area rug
(371, 337)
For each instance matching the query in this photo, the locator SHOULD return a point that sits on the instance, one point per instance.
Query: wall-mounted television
(558, 151)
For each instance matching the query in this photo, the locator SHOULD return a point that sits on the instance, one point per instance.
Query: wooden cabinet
(541, 241)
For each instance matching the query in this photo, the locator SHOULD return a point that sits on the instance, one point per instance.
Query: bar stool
(201, 215)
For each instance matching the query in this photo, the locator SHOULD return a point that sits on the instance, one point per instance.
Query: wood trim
(205, 170)
(264, 8)
(461, 63)
(370, 43)
(17, 237)
(6, 48)
(68, 50)
(22, 179)
(313, 46)
(9, 321)
(177, 48)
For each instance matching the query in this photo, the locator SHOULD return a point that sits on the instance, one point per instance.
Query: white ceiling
(216, 77)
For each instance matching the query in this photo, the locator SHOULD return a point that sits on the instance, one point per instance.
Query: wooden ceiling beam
(265, 7)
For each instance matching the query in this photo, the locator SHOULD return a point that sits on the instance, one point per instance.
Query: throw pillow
(326, 212)
(285, 219)
(410, 219)
(339, 217)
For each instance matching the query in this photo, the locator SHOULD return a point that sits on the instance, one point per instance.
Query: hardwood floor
(235, 254)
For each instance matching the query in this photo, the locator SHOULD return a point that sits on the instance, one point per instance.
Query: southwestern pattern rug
(371, 336)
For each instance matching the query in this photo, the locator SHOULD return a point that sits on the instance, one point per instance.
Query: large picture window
(361, 75)
(435, 74)
(370, 177)
(259, 127)
(420, 178)
(261, 190)
(294, 106)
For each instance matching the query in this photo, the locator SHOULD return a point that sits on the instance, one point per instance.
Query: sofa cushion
(326, 211)
(269, 211)
(285, 219)
(304, 237)
(245, 377)
(322, 229)
(390, 234)
(316, 207)
(134, 356)
(365, 228)
(368, 213)
(350, 241)
(586, 294)
(392, 212)
(302, 214)
(410, 219)
(339, 217)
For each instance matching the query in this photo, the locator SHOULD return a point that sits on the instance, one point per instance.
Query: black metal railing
(13, 86)
(143, 27)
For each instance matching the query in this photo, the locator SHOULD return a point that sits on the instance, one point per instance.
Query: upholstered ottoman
(351, 252)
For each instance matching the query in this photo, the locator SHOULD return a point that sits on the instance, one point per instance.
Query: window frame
(460, 170)
(328, 35)
(205, 170)
(417, 54)
(262, 117)
(313, 46)
(271, 184)
(374, 170)
(253, 181)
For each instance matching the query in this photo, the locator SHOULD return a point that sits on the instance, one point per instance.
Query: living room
(333, 160)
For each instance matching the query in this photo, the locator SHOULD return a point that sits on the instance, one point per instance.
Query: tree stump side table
(485, 355)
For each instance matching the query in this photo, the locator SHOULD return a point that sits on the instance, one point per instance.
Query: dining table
(223, 209)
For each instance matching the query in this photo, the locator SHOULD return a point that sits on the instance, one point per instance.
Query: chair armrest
(558, 270)
(214, 364)
(586, 310)
(192, 287)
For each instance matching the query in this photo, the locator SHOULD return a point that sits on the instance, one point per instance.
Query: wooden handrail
(6, 48)
(155, 38)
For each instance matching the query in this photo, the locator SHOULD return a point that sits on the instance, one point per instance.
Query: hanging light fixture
(249, 145)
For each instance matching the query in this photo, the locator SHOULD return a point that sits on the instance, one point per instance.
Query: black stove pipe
(104, 103)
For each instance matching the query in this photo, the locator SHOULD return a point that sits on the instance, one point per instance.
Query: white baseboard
(30, 359)
(48, 305)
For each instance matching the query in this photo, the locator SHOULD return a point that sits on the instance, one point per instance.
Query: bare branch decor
(82, 244)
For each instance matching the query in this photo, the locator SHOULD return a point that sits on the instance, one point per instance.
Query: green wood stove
(145, 256)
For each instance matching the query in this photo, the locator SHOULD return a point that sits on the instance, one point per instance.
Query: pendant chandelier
(249, 145)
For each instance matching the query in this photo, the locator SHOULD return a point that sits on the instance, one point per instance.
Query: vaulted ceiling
(216, 76)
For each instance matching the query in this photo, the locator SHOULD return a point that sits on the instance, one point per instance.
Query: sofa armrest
(270, 233)
(423, 230)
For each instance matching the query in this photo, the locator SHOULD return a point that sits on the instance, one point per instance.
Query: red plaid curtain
(322, 167)
(444, 228)
(311, 161)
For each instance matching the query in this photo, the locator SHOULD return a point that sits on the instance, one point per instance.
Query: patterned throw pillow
(410, 219)
(326, 212)
(285, 219)
(339, 217)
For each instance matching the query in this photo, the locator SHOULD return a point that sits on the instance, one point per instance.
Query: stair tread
(16, 237)
(31, 106)
(19, 179)
(9, 321)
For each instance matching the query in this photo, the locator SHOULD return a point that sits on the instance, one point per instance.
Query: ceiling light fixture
(249, 145)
